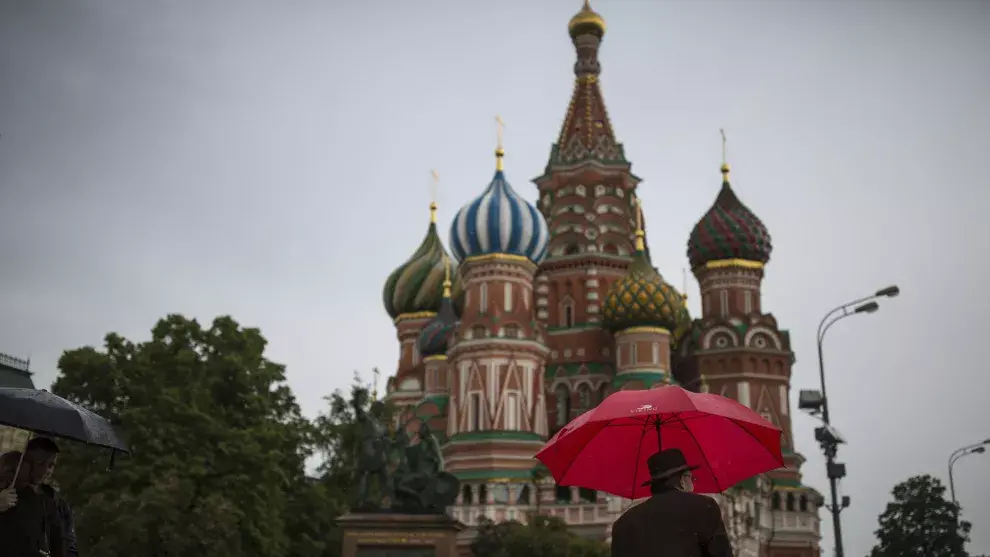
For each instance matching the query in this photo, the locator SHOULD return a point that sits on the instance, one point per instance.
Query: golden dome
(586, 21)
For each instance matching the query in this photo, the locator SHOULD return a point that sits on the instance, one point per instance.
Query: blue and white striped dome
(499, 221)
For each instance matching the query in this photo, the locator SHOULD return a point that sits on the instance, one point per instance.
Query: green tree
(920, 522)
(218, 446)
(542, 537)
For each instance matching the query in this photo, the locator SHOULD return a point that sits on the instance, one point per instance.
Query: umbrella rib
(639, 451)
(755, 438)
(573, 460)
(703, 455)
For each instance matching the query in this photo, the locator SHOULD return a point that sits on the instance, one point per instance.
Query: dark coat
(65, 517)
(671, 524)
(32, 525)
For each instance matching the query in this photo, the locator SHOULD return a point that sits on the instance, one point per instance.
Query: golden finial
(446, 277)
(433, 195)
(725, 159)
(640, 235)
(587, 20)
(499, 150)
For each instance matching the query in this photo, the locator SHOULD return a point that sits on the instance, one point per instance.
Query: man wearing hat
(674, 521)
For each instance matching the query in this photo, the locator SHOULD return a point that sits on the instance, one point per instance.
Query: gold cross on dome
(434, 184)
(500, 129)
(724, 154)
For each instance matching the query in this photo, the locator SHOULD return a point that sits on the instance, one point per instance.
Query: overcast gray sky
(271, 160)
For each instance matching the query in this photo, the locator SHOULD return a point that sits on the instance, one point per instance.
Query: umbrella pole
(17, 471)
(656, 424)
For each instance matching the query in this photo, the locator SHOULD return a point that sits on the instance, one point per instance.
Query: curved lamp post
(816, 402)
(975, 448)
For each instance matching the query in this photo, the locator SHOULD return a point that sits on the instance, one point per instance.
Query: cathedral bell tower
(586, 193)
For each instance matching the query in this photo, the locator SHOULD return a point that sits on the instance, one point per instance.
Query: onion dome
(417, 285)
(587, 21)
(729, 230)
(499, 221)
(642, 298)
(435, 337)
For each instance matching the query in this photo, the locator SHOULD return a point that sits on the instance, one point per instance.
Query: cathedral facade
(545, 308)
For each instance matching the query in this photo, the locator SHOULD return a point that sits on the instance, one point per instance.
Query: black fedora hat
(665, 464)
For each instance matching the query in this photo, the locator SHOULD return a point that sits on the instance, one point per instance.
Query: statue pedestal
(399, 535)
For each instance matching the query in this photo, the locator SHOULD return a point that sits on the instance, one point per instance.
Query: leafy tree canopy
(920, 522)
(542, 537)
(219, 447)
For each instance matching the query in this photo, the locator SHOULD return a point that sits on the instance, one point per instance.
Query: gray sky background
(271, 160)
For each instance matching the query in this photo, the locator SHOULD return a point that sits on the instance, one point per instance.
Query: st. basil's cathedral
(553, 306)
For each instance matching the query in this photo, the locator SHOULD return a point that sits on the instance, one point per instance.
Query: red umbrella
(606, 448)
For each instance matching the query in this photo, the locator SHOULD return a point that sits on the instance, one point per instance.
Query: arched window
(775, 502)
(803, 503)
(562, 494)
(563, 397)
(508, 296)
(584, 396)
(572, 249)
(479, 331)
(588, 495)
(483, 297)
(790, 501)
(482, 494)
(511, 331)
(467, 495)
(567, 312)
(524, 496)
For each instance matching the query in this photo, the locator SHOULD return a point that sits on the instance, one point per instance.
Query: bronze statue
(410, 477)
(422, 487)
(372, 457)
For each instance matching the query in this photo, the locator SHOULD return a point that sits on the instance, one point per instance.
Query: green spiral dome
(417, 285)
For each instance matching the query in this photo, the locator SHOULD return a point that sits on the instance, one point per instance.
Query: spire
(587, 132)
(499, 151)
(374, 386)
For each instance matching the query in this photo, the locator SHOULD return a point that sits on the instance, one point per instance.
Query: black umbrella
(50, 415)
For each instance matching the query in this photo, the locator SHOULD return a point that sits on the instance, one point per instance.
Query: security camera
(828, 435)
(835, 470)
(811, 401)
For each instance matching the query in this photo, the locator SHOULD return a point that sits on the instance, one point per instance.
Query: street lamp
(816, 403)
(975, 448)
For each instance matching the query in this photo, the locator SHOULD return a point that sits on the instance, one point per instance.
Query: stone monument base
(399, 535)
